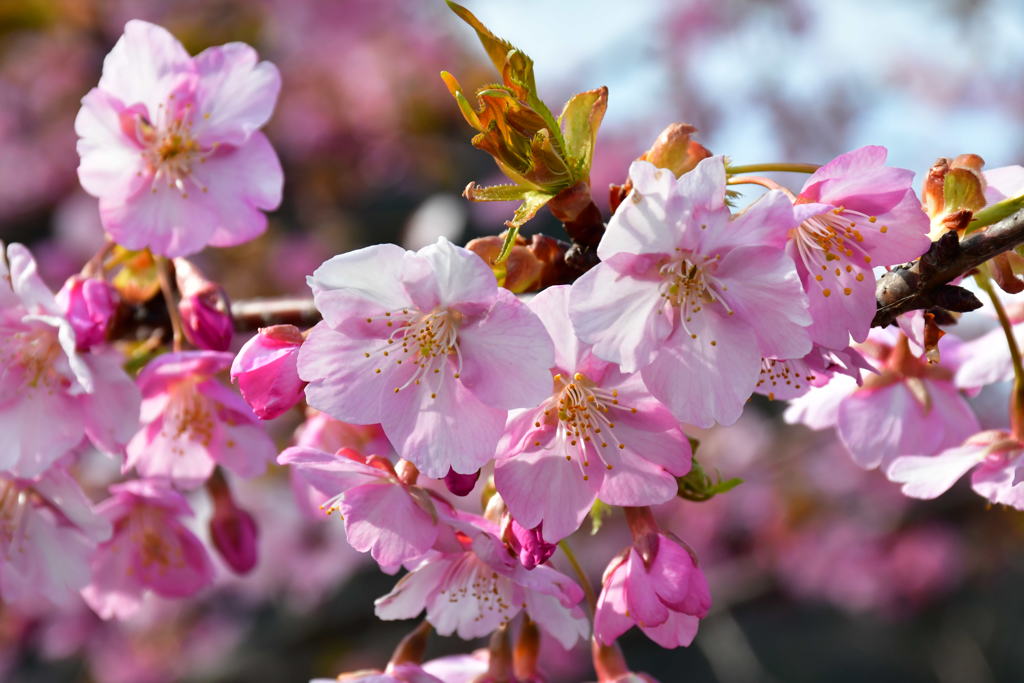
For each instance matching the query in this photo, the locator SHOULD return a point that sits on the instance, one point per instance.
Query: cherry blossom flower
(995, 456)
(48, 531)
(267, 372)
(427, 345)
(909, 408)
(691, 295)
(170, 143)
(43, 375)
(472, 585)
(393, 521)
(598, 434)
(192, 422)
(854, 213)
(151, 550)
(662, 591)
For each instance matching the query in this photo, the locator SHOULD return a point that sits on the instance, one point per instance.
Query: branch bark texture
(924, 283)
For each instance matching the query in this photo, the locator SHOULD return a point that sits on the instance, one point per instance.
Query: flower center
(427, 342)
(188, 415)
(582, 410)
(780, 375)
(14, 500)
(172, 151)
(834, 241)
(36, 352)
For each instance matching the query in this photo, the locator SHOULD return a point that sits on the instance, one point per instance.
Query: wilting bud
(673, 150)
(266, 371)
(531, 265)
(205, 311)
(528, 544)
(953, 192)
(460, 484)
(89, 305)
(232, 529)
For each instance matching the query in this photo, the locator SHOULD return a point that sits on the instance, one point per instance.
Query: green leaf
(698, 486)
(995, 213)
(532, 203)
(497, 48)
(494, 193)
(579, 121)
(599, 512)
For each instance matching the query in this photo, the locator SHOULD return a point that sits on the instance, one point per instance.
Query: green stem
(1017, 397)
(781, 167)
(588, 589)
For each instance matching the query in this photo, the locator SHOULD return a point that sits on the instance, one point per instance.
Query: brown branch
(252, 314)
(924, 283)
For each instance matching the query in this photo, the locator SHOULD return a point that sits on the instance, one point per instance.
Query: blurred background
(819, 571)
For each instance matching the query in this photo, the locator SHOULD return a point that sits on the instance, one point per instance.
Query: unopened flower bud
(232, 529)
(460, 484)
(528, 544)
(674, 150)
(205, 311)
(953, 191)
(89, 305)
(266, 371)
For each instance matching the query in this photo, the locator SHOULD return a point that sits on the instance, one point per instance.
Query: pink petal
(454, 429)
(641, 224)
(931, 476)
(112, 164)
(144, 65)
(678, 630)
(610, 620)
(181, 566)
(567, 626)
(703, 383)
(343, 381)
(111, 412)
(641, 598)
(516, 479)
(235, 94)
(617, 307)
(764, 289)
(507, 355)
(459, 275)
(383, 519)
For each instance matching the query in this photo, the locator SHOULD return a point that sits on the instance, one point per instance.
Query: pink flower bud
(266, 372)
(204, 307)
(89, 305)
(460, 484)
(232, 529)
(528, 544)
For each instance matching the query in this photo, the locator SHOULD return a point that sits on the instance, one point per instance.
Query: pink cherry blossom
(393, 521)
(48, 531)
(427, 345)
(665, 594)
(473, 585)
(170, 143)
(192, 422)
(267, 372)
(691, 295)
(150, 550)
(996, 458)
(89, 305)
(598, 434)
(854, 213)
(45, 376)
(909, 408)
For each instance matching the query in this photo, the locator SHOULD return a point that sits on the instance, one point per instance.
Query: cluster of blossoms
(430, 381)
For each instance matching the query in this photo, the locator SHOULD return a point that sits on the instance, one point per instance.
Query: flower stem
(781, 167)
(588, 589)
(1017, 396)
(759, 180)
(163, 267)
